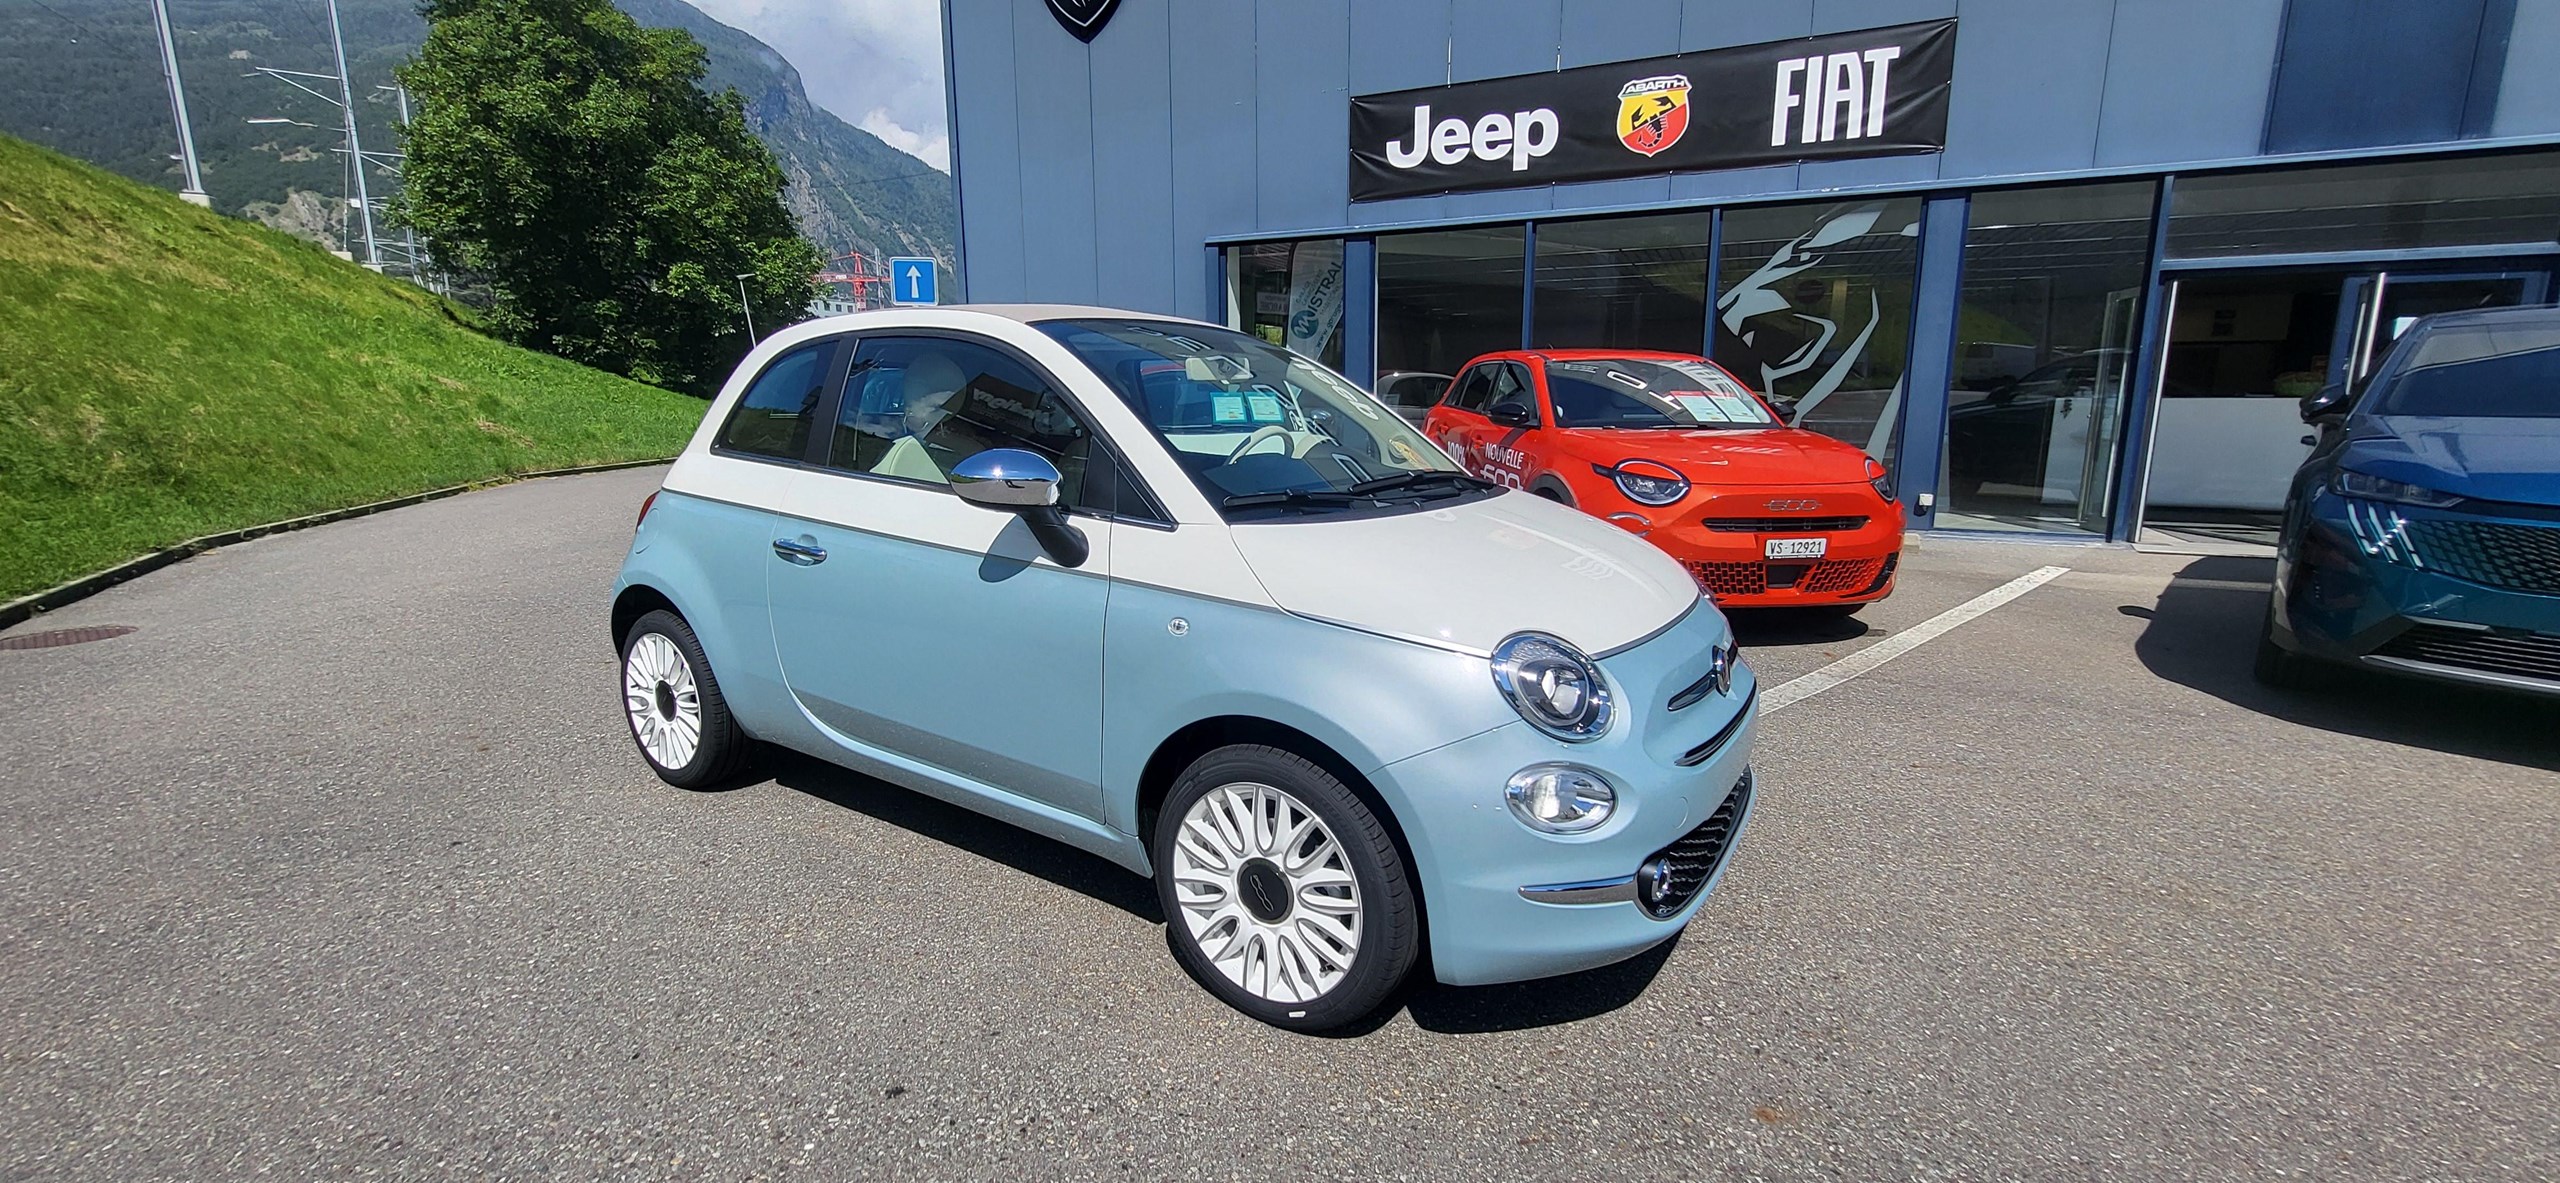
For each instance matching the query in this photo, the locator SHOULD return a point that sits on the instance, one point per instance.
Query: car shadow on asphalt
(976, 833)
(1449, 1010)
(1758, 627)
(2203, 634)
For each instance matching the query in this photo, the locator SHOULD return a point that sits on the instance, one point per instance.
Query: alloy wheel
(1267, 892)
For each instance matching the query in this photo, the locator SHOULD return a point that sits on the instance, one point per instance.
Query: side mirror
(2328, 402)
(1786, 412)
(1512, 414)
(1025, 483)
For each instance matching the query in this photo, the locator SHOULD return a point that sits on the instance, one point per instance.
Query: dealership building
(2065, 266)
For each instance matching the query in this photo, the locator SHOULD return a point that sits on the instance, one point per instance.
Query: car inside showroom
(2065, 267)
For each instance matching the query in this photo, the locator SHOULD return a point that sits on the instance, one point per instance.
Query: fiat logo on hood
(1785, 505)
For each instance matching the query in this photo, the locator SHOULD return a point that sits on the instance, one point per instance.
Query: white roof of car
(1028, 313)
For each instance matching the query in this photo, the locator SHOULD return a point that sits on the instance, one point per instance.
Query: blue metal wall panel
(1135, 254)
(1053, 85)
(2186, 79)
(1843, 16)
(2051, 60)
(1494, 38)
(987, 159)
(2355, 73)
(1931, 362)
(1397, 210)
(1741, 182)
(1399, 46)
(2529, 87)
(1603, 194)
(1213, 128)
(1875, 170)
(1302, 111)
(1596, 31)
(1714, 24)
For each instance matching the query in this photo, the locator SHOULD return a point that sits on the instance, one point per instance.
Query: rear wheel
(1283, 893)
(673, 704)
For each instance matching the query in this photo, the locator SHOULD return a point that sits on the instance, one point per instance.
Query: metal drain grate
(57, 638)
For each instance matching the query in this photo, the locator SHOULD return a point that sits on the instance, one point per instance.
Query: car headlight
(1552, 685)
(2374, 488)
(1646, 482)
(1560, 798)
(1880, 479)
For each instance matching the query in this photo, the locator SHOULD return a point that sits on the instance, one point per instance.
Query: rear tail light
(645, 503)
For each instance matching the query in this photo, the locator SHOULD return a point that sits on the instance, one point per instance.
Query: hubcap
(1267, 892)
(665, 706)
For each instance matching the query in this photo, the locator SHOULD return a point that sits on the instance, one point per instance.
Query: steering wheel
(1270, 432)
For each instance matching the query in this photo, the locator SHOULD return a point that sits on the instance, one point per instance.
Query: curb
(26, 608)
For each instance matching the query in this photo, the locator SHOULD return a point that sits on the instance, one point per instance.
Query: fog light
(1560, 798)
(1653, 883)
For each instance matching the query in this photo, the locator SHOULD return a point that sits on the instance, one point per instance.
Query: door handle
(807, 554)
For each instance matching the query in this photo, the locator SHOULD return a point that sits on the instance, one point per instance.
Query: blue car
(1168, 593)
(2423, 535)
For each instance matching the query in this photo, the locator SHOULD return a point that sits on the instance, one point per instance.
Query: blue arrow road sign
(914, 281)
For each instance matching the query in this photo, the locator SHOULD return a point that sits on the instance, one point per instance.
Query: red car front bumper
(1723, 540)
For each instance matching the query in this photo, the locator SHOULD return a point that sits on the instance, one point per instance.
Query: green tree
(570, 156)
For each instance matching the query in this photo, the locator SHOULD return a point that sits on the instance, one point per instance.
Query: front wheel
(2277, 667)
(1282, 891)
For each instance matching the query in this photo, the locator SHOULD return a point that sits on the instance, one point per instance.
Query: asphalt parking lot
(342, 866)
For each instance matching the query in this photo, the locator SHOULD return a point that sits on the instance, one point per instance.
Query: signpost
(914, 281)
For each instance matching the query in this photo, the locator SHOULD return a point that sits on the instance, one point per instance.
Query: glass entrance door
(2242, 347)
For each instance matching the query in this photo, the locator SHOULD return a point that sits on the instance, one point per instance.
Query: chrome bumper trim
(2456, 673)
(1621, 890)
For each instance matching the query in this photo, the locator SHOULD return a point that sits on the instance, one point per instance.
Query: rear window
(772, 419)
(2507, 370)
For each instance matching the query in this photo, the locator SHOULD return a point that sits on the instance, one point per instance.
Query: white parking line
(1799, 689)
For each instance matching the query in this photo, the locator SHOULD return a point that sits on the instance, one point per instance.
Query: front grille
(1783, 525)
(1732, 579)
(2523, 655)
(1845, 575)
(1685, 866)
(1824, 578)
(2500, 554)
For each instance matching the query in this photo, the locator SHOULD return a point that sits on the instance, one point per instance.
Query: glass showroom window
(1815, 311)
(2397, 205)
(2044, 352)
(1290, 294)
(1445, 296)
(1623, 283)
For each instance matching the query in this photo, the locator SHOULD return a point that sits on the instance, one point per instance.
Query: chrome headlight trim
(1553, 685)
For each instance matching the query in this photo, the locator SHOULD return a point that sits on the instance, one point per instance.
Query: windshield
(1631, 393)
(1261, 430)
(2507, 370)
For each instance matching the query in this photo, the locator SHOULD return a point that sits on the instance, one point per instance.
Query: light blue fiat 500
(1186, 600)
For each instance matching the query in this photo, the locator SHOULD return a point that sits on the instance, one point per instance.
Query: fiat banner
(1880, 92)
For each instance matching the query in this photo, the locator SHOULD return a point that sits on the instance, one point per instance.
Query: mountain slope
(166, 372)
(83, 77)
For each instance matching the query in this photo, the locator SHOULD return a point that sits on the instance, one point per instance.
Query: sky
(877, 64)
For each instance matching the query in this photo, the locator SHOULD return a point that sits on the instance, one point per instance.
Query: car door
(913, 624)
(1503, 456)
(1458, 424)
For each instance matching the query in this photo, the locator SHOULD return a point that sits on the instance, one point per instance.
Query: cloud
(875, 63)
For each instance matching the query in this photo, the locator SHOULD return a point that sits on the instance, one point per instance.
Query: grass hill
(166, 372)
(83, 77)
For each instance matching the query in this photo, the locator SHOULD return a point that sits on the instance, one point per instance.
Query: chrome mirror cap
(1006, 478)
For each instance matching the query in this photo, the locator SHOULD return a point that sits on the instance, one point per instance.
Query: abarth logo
(1653, 113)
(1084, 18)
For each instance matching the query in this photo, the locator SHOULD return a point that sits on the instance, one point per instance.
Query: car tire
(1283, 892)
(2276, 666)
(674, 708)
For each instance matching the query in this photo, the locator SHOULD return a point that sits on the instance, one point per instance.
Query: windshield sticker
(1266, 407)
(1226, 408)
(1699, 406)
(1738, 408)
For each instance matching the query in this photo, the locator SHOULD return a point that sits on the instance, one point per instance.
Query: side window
(1511, 385)
(1418, 390)
(772, 419)
(1473, 391)
(915, 406)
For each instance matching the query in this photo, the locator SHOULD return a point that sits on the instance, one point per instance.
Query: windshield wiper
(1288, 499)
(1453, 481)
